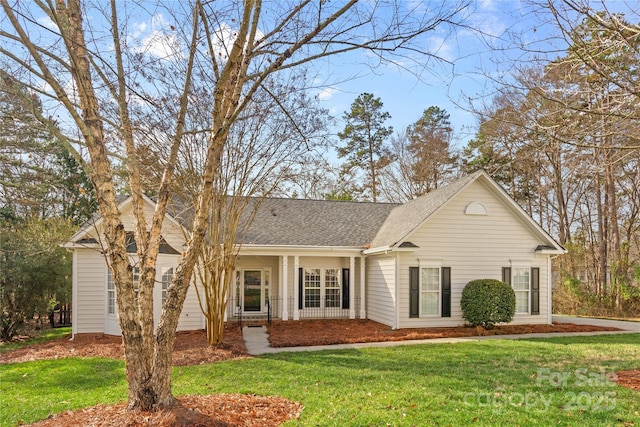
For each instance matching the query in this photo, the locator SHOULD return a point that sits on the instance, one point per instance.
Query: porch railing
(272, 309)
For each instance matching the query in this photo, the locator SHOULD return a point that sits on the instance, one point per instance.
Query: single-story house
(401, 265)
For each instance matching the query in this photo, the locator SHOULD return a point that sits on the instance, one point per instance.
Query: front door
(252, 290)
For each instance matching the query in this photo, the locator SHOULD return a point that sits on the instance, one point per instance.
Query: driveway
(620, 324)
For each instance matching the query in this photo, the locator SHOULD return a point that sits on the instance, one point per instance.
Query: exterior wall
(89, 283)
(475, 247)
(381, 289)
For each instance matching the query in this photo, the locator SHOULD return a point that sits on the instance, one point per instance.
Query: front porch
(318, 285)
(275, 306)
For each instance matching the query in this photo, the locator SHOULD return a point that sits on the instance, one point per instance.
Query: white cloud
(47, 22)
(156, 39)
(326, 94)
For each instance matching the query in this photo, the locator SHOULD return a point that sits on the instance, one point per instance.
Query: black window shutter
(446, 291)
(300, 288)
(535, 290)
(345, 288)
(506, 275)
(414, 292)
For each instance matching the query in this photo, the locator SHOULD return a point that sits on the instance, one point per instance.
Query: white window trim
(163, 290)
(323, 288)
(109, 280)
(515, 267)
(423, 265)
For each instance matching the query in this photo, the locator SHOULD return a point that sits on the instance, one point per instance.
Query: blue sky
(448, 85)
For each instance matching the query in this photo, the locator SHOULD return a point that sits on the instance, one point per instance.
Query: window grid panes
(167, 276)
(332, 288)
(136, 281)
(430, 291)
(312, 282)
(520, 284)
(111, 293)
(111, 289)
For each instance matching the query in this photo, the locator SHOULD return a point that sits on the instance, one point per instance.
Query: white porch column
(228, 297)
(363, 301)
(352, 287)
(296, 291)
(284, 286)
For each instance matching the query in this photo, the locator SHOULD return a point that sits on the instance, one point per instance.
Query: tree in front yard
(117, 83)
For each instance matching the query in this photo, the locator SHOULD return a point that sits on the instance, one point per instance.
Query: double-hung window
(111, 293)
(430, 291)
(525, 282)
(111, 289)
(321, 287)
(520, 285)
(312, 283)
(167, 276)
(332, 288)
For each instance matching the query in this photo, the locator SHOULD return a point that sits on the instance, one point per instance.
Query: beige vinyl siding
(381, 289)
(90, 304)
(475, 247)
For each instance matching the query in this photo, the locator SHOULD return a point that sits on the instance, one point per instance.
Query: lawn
(45, 335)
(561, 381)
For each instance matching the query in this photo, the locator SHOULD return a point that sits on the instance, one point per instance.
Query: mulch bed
(190, 348)
(216, 410)
(345, 331)
(219, 410)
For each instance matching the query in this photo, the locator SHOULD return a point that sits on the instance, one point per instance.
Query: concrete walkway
(257, 342)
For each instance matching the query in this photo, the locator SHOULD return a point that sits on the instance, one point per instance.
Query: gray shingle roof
(404, 219)
(316, 222)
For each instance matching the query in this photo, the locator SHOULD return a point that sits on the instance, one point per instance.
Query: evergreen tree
(366, 135)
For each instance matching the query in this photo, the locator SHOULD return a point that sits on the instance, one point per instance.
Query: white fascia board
(378, 250)
(387, 249)
(73, 245)
(297, 250)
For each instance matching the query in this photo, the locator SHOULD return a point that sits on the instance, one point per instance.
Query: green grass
(561, 381)
(43, 336)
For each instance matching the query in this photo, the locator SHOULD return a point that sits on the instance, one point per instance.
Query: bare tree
(106, 85)
(569, 129)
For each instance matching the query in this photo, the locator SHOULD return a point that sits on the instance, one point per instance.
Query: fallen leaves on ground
(629, 379)
(217, 410)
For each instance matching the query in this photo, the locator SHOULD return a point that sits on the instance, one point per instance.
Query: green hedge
(486, 302)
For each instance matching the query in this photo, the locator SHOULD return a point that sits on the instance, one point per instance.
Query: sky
(457, 82)
(462, 77)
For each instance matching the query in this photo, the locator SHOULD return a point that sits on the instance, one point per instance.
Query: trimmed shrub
(486, 302)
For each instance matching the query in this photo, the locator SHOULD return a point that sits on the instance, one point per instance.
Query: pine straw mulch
(190, 348)
(345, 331)
(216, 410)
(245, 410)
(629, 379)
